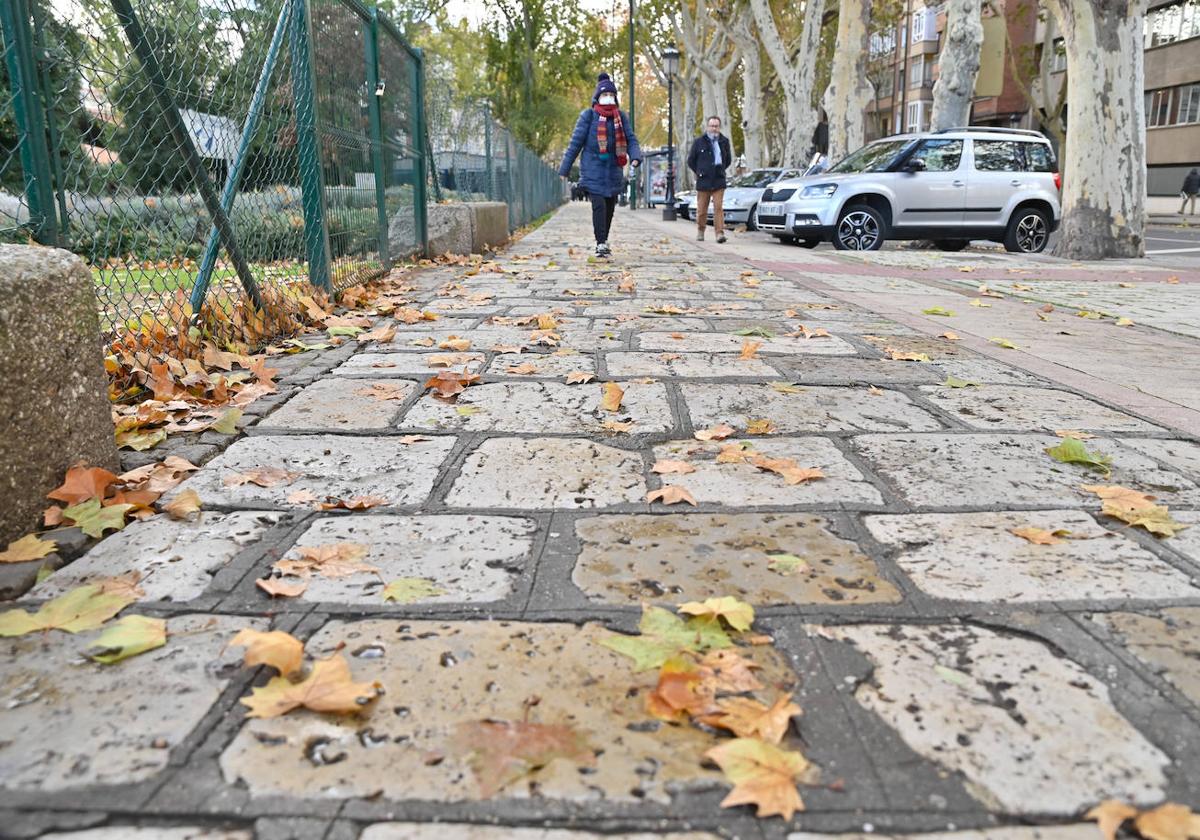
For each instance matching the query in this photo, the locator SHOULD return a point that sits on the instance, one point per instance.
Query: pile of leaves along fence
(216, 163)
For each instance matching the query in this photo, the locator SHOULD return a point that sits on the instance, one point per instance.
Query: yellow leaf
(737, 614)
(749, 350)
(715, 433)
(978, 302)
(275, 649)
(762, 775)
(1004, 342)
(666, 466)
(329, 687)
(1109, 816)
(1168, 821)
(612, 397)
(186, 505)
(950, 335)
(578, 377)
(905, 356)
(1071, 433)
(277, 588)
(1124, 322)
(670, 494)
(29, 547)
(454, 343)
(748, 718)
(1039, 536)
(1135, 509)
(785, 388)
(409, 590)
(83, 608)
(128, 637)
(762, 426)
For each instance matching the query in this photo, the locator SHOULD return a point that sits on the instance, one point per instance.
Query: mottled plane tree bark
(754, 106)
(958, 66)
(850, 89)
(795, 67)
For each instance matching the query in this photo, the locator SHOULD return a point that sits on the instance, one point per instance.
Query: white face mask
(608, 99)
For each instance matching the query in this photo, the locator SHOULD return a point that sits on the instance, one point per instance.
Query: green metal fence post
(487, 147)
(312, 180)
(375, 93)
(209, 260)
(512, 194)
(46, 92)
(183, 141)
(29, 114)
(423, 164)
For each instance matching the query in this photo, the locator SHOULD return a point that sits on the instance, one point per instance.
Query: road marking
(1169, 239)
(1174, 251)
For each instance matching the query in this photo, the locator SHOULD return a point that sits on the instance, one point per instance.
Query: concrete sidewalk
(951, 675)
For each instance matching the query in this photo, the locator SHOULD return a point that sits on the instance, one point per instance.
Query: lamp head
(671, 59)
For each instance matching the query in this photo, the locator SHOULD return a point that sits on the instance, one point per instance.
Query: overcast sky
(476, 10)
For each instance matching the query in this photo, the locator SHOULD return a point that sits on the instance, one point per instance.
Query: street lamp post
(671, 59)
(632, 108)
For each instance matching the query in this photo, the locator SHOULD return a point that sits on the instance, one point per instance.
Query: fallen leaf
(728, 671)
(277, 588)
(612, 397)
(818, 332)
(454, 343)
(262, 477)
(331, 560)
(411, 589)
(1123, 322)
(301, 497)
(737, 614)
(749, 350)
(905, 355)
(83, 608)
(664, 635)
(736, 453)
(617, 426)
(185, 506)
(670, 494)
(1109, 816)
(758, 332)
(449, 359)
(140, 440)
(329, 687)
(1072, 451)
(128, 637)
(409, 440)
(874, 392)
(275, 649)
(1168, 821)
(29, 547)
(792, 472)
(1049, 307)
(383, 334)
(1004, 342)
(578, 377)
(501, 752)
(94, 520)
(786, 564)
(950, 336)
(986, 292)
(785, 388)
(1071, 433)
(522, 369)
(1134, 509)
(978, 302)
(680, 692)
(448, 384)
(762, 775)
(81, 484)
(715, 433)
(1039, 536)
(384, 391)
(226, 424)
(747, 718)
(955, 382)
(938, 310)
(762, 426)
(667, 466)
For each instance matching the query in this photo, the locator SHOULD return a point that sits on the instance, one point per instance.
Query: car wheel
(860, 228)
(808, 243)
(1028, 231)
(752, 218)
(951, 244)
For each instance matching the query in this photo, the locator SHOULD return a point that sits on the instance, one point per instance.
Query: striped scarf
(613, 112)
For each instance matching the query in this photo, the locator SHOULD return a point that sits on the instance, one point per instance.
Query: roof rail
(994, 129)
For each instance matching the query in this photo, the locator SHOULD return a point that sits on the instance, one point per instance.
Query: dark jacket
(598, 176)
(701, 161)
(1191, 184)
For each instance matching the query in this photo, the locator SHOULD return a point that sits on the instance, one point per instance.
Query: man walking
(1191, 187)
(708, 158)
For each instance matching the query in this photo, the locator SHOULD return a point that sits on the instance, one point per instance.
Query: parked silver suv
(950, 186)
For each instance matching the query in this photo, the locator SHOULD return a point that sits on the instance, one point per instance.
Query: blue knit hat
(603, 85)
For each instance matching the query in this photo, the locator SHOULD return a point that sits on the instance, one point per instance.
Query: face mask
(608, 99)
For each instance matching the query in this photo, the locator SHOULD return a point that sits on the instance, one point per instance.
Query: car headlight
(819, 191)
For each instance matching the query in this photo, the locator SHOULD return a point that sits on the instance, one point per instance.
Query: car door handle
(958, 183)
(1015, 183)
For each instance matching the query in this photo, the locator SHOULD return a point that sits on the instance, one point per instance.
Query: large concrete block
(490, 224)
(450, 230)
(54, 403)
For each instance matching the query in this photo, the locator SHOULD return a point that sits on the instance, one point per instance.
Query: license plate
(770, 209)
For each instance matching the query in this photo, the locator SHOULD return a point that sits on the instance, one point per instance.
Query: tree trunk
(958, 65)
(754, 130)
(685, 129)
(796, 75)
(1104, 182)
(850, 89)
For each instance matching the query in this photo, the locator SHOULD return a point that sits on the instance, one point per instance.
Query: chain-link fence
(215, 162)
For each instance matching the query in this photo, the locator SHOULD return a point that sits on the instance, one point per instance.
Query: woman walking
(607, 143)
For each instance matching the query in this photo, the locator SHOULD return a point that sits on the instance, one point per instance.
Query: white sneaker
(602, 249)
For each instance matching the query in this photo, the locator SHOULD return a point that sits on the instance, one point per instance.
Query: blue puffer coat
(597, 176)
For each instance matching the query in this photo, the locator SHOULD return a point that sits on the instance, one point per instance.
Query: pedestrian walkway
(525, 490)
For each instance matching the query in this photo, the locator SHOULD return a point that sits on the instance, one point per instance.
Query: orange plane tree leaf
(1168, 821)
(667, 466)
(500, 752)
(681, 691)
(279, 650)
(613, 394)
(762, 775)
(727, 670)
(277, 588)
(671, 494)
(748, 718)
(82, 483)
(1039, 536)
(1110, 815)
(329, 687)
(333, 560)
(719, 432)
(185, 506)
(579, 377)
(29, 547)
(262, 476)
(749, 350)
(792, 472)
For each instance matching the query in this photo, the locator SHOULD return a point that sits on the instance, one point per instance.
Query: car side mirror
(915, 165)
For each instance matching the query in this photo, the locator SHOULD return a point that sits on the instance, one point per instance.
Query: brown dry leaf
(522, 370)
(905, 356)
(667, 466)
(749, 350)
(383, 334)
(1168, 821)
(185, 506)
(82, 483)
(613, 394)
(617, 426)
(409, 440)
(425, 341)
(949, 335)
(792, 472)
(329, 687)
(761, 426)
(729, 671)
(449, 384)
(735, 453)
(680, 692)
(353, 503)
(818, 332)
(277, 588)
(501, 752)
(670, 494)
(578, 377)
(262, 476)
(677, 336)
(1172, 279)
(301, 497)
(275, 649)
(762, 775)
(719, 432)
(1109, 815)
(448, 359)
(874, 392)
(1039, 536)
(331, 560)
(454, 343)
(748, 718)
(383, 391)
(1071, 433)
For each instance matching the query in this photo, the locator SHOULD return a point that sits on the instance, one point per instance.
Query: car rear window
(1039, 158)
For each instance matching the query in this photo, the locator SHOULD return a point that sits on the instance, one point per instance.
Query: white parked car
(950, 186)
(743, 193)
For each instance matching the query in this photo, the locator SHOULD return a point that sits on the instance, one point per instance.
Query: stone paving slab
(467, 558)
(729, 343)
(175, 561)
(679, 365)
(627, 559)
(1077, 831)
(70, 722)
(342, 404)
(744, 485)
(546, 473)
(547, 364)
(327, 465)
(157, 832)
(1012, 407)
(542, 407)
(439, 675)
(986, 372)
(405, 364)
(976, 557)
(1180, 455)
(853, 370)
(1032, 732)
(463, 831)
(812, 409)
(980, 470)
(1168, 641)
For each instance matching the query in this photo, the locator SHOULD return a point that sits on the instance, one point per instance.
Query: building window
(1173, 106)
(917, 118)
(1189, 103)
(883, 43)
(1059, 63)
(1174, 22)
(924, 24)
(922, 74)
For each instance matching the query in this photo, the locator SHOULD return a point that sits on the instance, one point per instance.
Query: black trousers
(603, 207)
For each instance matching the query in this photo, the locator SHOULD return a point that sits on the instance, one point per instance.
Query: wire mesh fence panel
(400, 163)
